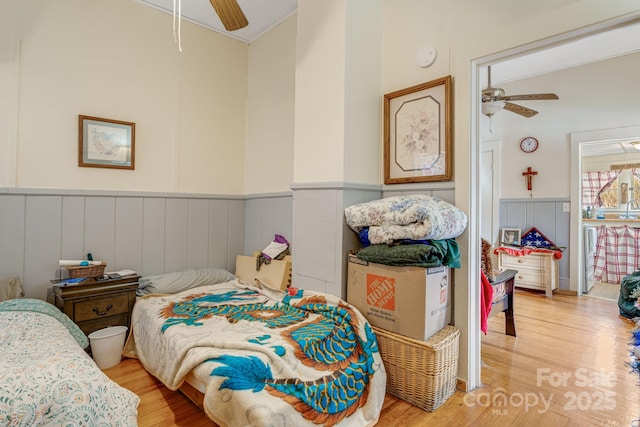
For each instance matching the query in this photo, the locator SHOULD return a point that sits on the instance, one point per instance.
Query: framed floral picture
(417, 133)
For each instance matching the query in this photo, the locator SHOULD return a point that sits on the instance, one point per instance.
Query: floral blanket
(47, 379)
(415, 217)
(292, 359)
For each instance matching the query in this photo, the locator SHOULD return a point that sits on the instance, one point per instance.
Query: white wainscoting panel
(548, 217)
(266, 217)
(128, 236)
(12, 224)
(42, 243)
(153, 236)
(147, 233)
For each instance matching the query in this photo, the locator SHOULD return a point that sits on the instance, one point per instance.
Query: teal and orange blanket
(263, 357)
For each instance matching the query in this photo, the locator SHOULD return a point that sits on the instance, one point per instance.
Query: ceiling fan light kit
(494, 97)
(492, 107)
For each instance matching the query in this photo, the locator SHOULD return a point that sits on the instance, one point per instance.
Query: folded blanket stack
(418, 230)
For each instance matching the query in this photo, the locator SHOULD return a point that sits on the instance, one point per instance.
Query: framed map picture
(106, 143)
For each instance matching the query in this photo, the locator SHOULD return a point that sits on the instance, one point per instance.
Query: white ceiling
(609, 148)
(262, 15)
(593, 48)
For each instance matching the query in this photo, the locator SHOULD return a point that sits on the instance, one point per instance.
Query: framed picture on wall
(106, 143)
(510, 236)
(417, 133)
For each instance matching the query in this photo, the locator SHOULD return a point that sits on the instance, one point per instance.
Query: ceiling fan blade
(519, 109)
(230, 14)
(531, 97)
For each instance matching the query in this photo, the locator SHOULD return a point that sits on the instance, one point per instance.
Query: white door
(489, 190)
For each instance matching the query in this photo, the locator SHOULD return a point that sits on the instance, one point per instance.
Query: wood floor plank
(570, 356)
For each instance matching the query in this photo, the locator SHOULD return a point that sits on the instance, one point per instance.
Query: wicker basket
(89, 271)
(421, 372)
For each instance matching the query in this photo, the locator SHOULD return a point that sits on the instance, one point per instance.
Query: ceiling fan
(494, 100)
(230, 14)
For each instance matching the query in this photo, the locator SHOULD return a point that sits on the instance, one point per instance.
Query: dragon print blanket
(273, 358)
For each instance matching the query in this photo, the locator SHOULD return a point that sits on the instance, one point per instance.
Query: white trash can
(107, 345)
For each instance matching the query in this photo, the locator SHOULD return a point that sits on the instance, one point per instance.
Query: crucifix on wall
(528, 174)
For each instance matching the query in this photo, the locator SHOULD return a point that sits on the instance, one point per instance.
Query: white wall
(363, 98)
(602, 95)
(117, 59)
(269, 154)
(320, 91)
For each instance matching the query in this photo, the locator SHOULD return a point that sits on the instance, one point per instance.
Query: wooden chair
(502, 285)
(503, 299)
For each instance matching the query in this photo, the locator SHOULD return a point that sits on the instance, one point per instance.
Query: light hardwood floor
(571, 356)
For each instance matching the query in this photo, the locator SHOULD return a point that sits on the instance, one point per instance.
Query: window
(594, 183)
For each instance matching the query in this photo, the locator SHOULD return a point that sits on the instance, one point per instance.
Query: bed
(252, 355)
(47, 378)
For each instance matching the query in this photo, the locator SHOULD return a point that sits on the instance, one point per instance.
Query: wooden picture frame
(106, 143)
(511, 236)
(417, 133)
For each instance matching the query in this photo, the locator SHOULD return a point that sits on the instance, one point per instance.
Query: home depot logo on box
(381, 291)
(444, 289)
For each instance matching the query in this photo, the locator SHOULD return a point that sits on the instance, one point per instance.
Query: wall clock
(529, 144)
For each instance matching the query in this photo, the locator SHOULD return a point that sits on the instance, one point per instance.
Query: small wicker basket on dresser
(96, 304)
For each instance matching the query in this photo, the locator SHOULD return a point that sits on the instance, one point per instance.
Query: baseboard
(566, 292)
(461, 384)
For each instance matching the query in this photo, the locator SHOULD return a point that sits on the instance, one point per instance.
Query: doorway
(601, 142)
(477, 84)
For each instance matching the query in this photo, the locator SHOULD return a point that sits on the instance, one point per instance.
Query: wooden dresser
(536, 270)
(97, 304)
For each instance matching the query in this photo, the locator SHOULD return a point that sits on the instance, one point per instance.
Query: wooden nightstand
(96, 304)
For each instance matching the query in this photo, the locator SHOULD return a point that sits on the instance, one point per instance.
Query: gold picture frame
(106, 143)
(417, 133)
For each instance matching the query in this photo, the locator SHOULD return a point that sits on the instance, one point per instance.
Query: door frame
(475, 98)
(576, 237)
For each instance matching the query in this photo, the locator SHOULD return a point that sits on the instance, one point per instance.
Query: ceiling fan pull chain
(177, 39)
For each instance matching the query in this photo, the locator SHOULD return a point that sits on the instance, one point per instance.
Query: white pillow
(10, 287)
(172, 283)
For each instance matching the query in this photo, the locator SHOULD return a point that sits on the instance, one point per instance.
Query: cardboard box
(276, 274)
(410, 301)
